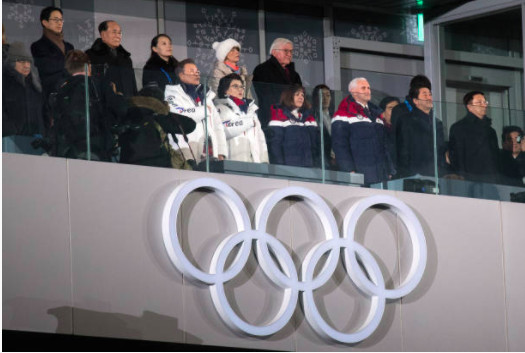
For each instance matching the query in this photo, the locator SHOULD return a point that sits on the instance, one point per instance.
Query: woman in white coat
(228, 54)
(243, 131)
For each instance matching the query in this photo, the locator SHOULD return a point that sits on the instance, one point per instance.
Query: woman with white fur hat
(228, 55)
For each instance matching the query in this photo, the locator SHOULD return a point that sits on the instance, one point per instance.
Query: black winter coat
(22, 109)
(473, 149)
(50, 62)
(415, 144)
(269, 80)
(117, 69)
(69, 112)
(159, 71)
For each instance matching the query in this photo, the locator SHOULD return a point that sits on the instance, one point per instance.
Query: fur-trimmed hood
(150, 103)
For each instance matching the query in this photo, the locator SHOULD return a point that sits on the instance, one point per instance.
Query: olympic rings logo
(372, 282)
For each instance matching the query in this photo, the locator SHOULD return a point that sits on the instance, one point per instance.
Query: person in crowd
(70, 115)
(358, 135)
(49, 52)
(387, 104)
(187, 98)
(228, 54)
(110, 60)
(293, 131)
(246, 142)
(22, 111)
(160, 67)
(272, 76)
(149, 122)
(415, 139)
(473, 143)
(513, 155)
(321, 106)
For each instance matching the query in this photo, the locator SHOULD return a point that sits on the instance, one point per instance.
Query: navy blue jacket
(359, 141)
(415, 144)
(293, 141)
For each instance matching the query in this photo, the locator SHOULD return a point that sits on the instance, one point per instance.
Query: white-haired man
(272, 76)
(359, 136)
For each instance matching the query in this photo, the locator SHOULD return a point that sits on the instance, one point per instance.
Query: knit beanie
(223, 48)
(18, 51)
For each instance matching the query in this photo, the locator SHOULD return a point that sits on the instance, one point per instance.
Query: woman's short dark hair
(315, 94)
(287, 97)
(155, 41)
(46, 13)
(224, 84)
(75, 61)
(386, 101)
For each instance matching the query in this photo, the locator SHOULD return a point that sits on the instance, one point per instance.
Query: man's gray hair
(278, 43)
(353, 83)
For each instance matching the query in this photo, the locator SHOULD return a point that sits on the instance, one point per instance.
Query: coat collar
(273, 60)
(101, 48)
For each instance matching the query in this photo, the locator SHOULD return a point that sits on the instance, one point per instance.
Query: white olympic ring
(372, 282)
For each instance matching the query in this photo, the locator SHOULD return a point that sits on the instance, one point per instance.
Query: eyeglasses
(480, 103)
(238, 86)
(57, 20)
(286, 51)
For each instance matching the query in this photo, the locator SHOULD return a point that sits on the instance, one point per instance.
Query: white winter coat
(246, 142)
(181, 103)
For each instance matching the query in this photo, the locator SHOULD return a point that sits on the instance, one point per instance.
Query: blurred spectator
(246, 142)
(387, 104)
(149, 121)
(322, 107)
(513, 155)
(273, 76)
(21, 95)
(111, 61)
(187, 98)
(228, 53)
(473, 143)
(358, 135)
(49, 52)
(70, 112)
(160, 67)
(415, 138)
(294, 135)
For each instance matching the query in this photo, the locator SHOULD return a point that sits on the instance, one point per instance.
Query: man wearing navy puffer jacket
(358, 135)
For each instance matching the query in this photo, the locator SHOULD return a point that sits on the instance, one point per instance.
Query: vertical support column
(332, 62)
(57, 3)
(434, 55)
(262, 33)
(161, 25)
(328, 32)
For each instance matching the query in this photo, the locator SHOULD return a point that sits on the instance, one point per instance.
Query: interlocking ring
(372, 282)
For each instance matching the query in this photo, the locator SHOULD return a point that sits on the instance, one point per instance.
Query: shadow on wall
(150, 326)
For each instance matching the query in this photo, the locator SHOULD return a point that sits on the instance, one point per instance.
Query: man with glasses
(473, 143)
(187, 98)
(50, 51)
(271, 77)
(110, 60)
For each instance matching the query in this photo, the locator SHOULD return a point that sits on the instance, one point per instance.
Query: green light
(419, 2)
(420, 28)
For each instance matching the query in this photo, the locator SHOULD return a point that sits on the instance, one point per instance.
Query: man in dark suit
(49, 52)
(111, 61)
(272, 76)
